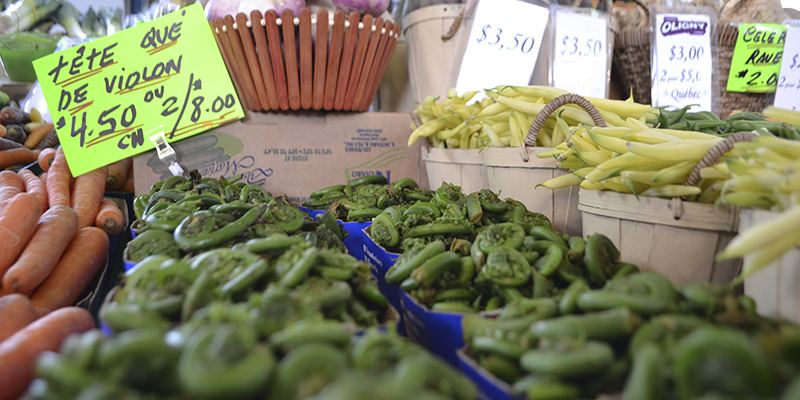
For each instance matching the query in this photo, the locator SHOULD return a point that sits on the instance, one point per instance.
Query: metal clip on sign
(165, 152)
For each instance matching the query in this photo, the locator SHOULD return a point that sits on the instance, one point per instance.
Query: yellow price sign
(105, 95)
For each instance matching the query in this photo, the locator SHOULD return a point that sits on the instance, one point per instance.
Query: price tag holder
(684, 57)
(787, 93)
(756, 60)
(503, 44)
(581, 49)
(105, 94)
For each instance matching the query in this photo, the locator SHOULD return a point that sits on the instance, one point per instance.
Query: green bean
(596, 300)
(569, 303)
(406, 183)
(577, 246)
(552, 258)
(541, 246)
(600, 252)
(501, 347)
(698, 298)
(543, 233)
(474, 210)
(452, 307)
(125, 317)
(494, 303)
(60, 373)
(247, 278)
(198, 295)
(270, 244)
(438, 228)
(551, 389)
(665, 330)
(410, 284)
(321, 192)
(572, 360)
(542, 287)
(645, 380)
(363, 214)
(458, 294)
(368, 180)
(405, 265)
(604, 325)
(299, 270)
(522, 306)
(254, 193)
(501, 367)
(307, 331)
(467, 271)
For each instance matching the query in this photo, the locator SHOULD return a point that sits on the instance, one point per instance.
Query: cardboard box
(295, 153)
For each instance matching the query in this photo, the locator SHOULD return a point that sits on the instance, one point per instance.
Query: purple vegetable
(245, 6)
(374, 7)
(219, 8)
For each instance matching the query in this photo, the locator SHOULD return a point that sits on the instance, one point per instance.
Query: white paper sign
(787, 95)
(581, 50)
(682, 67)
(503, 45)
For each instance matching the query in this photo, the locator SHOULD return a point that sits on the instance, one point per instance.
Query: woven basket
(632, 59)
(343, 75)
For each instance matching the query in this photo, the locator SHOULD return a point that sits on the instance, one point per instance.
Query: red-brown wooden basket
(343, 75)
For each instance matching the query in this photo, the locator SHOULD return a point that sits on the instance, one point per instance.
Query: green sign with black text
(106, 95)
(756, 61)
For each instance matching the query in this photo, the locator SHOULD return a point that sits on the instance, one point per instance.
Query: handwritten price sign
(503, 45)
(757, 58)
(787, 95)
(682, 62)
(106, 94)
(581, 49)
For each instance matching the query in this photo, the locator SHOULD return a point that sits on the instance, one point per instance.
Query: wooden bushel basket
(279, 66)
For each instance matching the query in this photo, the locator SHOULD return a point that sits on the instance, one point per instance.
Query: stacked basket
(340, 73)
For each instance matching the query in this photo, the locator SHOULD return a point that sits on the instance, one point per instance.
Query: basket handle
(556, 103)
(457, 22)
(712, 157)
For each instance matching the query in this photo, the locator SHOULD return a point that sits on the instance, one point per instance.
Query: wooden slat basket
(279, 66)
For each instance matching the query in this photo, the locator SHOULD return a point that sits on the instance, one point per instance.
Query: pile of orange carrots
(54, 238)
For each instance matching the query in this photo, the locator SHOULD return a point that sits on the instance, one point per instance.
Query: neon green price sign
(105, 96)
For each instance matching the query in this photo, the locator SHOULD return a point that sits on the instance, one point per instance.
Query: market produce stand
(286, 238)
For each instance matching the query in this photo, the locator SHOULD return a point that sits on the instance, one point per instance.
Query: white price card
(787, 95)
(581, 50)
(503, 45)
(682, 63)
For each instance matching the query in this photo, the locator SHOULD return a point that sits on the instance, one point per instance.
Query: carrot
(128, 185)
(8, 144)
(18, 353)
(83, 258)
(55, 230)
(13, 115)
(43, 178)
(10, 185)
(49, 140)
(118, 173)
(18, 222)
(88, 193)
(16, 133)
(16, 312)
(37, 134)
(34, 186)
(110, 218)
(59, 180)
(2, 130)
(46, 158)
(17, 156)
